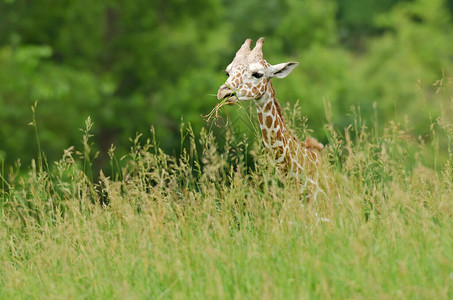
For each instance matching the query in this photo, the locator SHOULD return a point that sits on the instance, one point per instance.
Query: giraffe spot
(260, 118)
(264, 81)
(262, 89)
(272, 91)
(278, 123)
(264, 132)
(269, 121)
(279, 135)
(248, 85)
(268, 107)
(255, 90)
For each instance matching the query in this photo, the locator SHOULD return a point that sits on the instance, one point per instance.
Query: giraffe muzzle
(226, 93)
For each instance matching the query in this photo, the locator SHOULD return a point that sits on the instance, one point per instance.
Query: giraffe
(249, 78)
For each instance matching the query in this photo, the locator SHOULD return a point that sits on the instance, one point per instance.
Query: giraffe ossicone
(249, 78)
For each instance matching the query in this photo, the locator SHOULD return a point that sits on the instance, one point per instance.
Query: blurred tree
(133, 64)
(26, 76)
(355, 20)
(403, 63)
(126, 52)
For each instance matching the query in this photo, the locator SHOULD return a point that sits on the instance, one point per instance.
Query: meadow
(209, 225)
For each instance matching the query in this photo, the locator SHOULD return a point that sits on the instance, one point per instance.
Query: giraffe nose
(224, 92)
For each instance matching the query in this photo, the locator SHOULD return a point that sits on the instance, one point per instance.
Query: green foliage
(403, 61)
(134, 65)
(114, 60)
(356, 18)
(26, 76)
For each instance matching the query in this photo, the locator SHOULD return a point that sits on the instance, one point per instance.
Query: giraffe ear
(282, 70)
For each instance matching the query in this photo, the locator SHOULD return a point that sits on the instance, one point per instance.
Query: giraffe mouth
(227, 95)
(230, 99)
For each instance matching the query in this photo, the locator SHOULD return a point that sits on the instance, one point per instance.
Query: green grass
(206, 225)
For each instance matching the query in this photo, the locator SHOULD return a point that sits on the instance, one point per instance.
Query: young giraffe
(249, 78)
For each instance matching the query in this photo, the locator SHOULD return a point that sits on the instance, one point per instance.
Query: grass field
(206, 225)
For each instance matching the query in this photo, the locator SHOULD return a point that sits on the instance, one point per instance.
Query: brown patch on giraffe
(248, 85)
(264, 81)
(271, 89)
(279, 135)
(264, 133)
(260, 118)
(279, 109)
(278, 123)
(262, 89)
(269, 121)
(268, 107)
(255, 90)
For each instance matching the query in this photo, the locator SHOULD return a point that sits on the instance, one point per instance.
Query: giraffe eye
(257, 75)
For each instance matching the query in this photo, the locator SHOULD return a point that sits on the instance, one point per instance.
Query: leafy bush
(136, 65)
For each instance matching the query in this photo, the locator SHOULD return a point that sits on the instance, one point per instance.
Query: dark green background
(135, 64)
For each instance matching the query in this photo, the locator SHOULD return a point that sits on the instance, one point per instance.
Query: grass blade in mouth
(214, 114)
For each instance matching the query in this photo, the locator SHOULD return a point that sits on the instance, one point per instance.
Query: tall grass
(206, 224)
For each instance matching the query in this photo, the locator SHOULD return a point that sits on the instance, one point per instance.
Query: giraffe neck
(286, 148)
(276, 136)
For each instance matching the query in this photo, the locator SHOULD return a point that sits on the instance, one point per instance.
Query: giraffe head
(249, 74)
